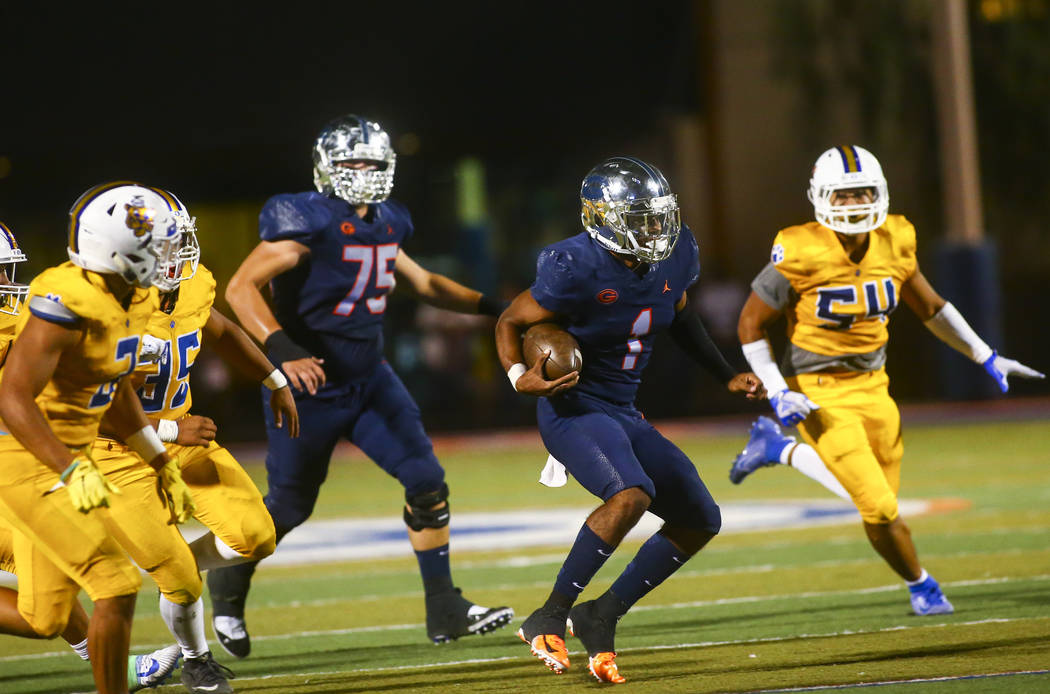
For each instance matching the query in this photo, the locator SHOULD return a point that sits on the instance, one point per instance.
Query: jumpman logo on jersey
(667, 287)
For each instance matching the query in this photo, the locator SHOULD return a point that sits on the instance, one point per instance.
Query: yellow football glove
(88, 488)
(177, 493)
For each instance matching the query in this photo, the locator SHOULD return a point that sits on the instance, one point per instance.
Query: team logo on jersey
(347, 228)
(777, 255)
(140, 218)
(667, 287)
(607, 296)
(389, 230)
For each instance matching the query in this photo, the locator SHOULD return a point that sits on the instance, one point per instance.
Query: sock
(81, 649)
(587, 555)
(435, 570)
(212, 553)
(919, 581)
(186, 623)
(657, 559)
(806, 460)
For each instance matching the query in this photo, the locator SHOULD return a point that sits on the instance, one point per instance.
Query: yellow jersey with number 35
(843, 307)
(176, 338)
(86, 377)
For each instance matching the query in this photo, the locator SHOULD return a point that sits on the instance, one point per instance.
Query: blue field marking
(349, 539)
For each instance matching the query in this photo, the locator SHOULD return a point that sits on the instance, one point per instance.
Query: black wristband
(691, 335)
(281, 347)
(489, 305)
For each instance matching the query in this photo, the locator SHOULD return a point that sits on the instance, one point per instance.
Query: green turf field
(772, 610)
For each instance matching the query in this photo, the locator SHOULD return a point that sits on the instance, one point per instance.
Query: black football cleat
(450, 616)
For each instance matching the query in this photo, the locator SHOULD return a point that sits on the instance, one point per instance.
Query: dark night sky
(225, 105)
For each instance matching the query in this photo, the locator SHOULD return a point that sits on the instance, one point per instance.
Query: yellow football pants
(56, 549)
(857, 432)
(228, 502)
(141, 522)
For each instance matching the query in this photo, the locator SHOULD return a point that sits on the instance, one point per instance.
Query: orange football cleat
(550, 648)
(603, 667)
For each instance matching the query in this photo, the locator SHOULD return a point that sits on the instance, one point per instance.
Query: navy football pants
(609, 448)
(377, 415)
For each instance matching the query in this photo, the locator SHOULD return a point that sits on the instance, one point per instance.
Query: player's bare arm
(921, 297)
(236, 348)
(268, 260)
(689, 332)
(522, 314)
(433, 288)
(756, 316)
(30, 364)
(945, 321)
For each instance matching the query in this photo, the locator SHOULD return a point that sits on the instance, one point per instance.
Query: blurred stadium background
(497, 114)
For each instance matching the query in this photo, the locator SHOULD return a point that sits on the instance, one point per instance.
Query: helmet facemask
(179, 263)
(353, 140)
(12, 294)
(646, 229)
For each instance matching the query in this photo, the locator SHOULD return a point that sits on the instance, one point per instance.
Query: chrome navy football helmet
(350, 140)
(628, 208)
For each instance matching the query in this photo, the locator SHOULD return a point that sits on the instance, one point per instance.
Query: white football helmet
(354, 139)
(126, 229)
(12, 294)
(628, 207)
(174, 269)
(843, 167)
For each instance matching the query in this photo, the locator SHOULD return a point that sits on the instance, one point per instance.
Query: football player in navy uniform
(331, 257)
(614, 287)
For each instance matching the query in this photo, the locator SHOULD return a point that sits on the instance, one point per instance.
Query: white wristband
(275, 380)
(759, 356)
(514, 373)
(952, 329)
(168, 430)
(146, 443)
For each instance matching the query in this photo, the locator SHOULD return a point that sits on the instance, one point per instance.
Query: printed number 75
(368, 257)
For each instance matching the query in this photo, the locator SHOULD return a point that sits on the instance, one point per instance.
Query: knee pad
(418, 514)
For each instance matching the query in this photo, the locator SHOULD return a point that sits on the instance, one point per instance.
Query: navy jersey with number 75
(613, 311)
(333, 302)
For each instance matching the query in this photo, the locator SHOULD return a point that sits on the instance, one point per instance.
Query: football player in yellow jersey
(64, 371)
(143, 670)
(226, 499)
(837, 279)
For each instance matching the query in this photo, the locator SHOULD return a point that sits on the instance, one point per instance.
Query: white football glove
(1001, 368)
(154, 350)
(791, 407)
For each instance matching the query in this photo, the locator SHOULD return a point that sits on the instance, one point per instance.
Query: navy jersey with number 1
(613, 311)
(333, 302)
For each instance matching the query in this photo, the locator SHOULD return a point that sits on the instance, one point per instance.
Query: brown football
(550, 337)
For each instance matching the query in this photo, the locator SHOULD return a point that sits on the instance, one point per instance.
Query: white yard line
(640, 608)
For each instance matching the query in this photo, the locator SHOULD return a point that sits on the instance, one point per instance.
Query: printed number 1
(641, 326)
(368, 257)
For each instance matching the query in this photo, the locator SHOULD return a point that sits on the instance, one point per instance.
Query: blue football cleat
(927, 598)
(763, 448)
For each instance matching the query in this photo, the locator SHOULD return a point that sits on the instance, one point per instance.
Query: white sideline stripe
(884, 683)
(638, 608)
(662, 647)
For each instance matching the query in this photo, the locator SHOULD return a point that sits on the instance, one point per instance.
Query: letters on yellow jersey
(88, 373)
(843, 307)
(165, 394)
